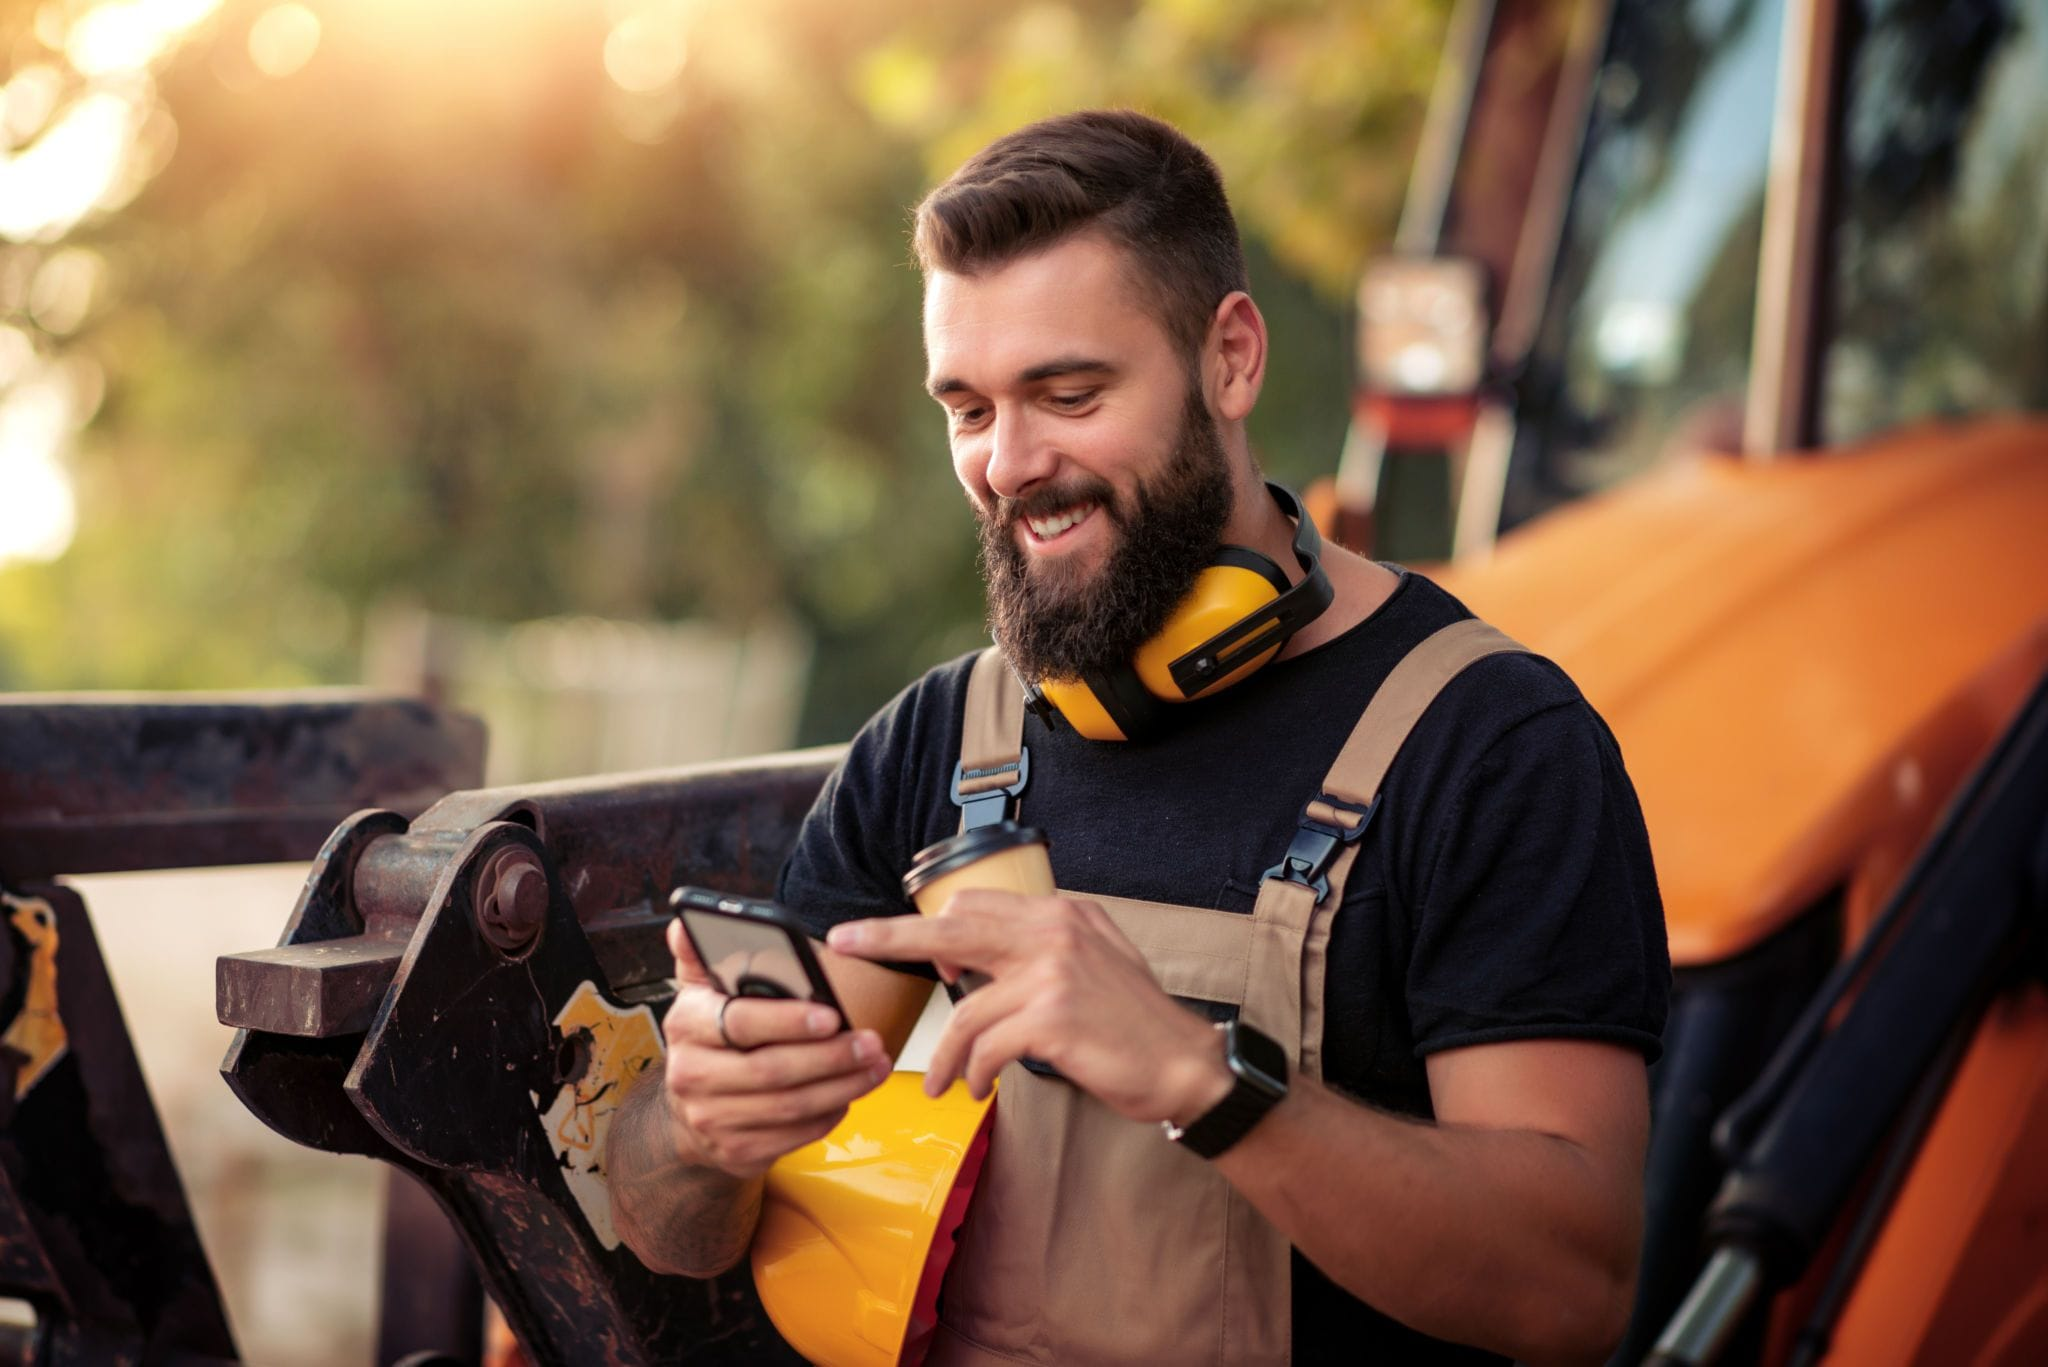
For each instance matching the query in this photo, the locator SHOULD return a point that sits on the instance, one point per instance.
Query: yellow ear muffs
(1235, 618)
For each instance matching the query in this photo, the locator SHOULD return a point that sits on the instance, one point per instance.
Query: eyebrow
(939, 388)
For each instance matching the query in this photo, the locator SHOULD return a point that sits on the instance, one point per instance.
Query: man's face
(1093, 464)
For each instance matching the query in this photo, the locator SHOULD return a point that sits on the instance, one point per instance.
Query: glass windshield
(1941, 247)
(1646, 333)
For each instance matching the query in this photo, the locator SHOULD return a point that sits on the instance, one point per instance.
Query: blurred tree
(519, 309)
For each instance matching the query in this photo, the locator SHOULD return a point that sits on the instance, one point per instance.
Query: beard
(1054, 620)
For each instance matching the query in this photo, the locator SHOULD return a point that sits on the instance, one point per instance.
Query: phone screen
(748, 958)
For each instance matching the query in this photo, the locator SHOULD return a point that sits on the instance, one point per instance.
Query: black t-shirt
(1503, 891)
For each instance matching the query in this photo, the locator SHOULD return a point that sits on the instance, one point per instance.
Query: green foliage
(447, 314)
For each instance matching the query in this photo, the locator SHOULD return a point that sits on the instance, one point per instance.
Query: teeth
(1046, 528)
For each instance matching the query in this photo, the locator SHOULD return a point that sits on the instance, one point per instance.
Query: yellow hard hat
(856, 1230)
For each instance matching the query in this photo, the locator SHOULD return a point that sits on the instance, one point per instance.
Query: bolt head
(522, 895)
(512, 900)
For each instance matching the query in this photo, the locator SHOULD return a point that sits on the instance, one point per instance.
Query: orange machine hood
(1800, 659)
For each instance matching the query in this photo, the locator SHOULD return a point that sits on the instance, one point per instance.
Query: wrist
(1203, 1080)
(682, 1139)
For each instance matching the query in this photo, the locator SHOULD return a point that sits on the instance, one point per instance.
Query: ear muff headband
(1128, 702)
(1223, 656)
(1239, 613)
(1077, 703)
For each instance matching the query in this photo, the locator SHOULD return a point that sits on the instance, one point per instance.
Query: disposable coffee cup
(1007, 856)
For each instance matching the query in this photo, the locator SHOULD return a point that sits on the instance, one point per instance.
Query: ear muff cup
(1237, 585)
(1129, 702)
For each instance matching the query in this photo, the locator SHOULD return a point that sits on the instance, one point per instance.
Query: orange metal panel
(1960, 1273)
(1800, 659)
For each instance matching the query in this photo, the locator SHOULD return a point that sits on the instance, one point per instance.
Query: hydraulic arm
(1803, 1139)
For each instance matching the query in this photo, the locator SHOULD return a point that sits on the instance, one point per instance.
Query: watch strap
(1251, 1095)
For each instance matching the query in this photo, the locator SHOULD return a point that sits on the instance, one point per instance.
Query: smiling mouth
(1050, 528)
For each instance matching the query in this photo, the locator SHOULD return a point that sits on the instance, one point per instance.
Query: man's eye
(968, 417)
(1071, 401)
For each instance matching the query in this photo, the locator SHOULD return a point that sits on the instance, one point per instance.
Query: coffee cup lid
(958, 851)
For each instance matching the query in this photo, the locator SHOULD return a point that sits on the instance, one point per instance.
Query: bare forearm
(678, 1216)
(1506, 1239)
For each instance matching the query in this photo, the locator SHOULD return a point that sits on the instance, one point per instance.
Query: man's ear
(1234, 357)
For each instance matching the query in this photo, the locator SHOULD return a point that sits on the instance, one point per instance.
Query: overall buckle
(991, 805)
(1317, 841)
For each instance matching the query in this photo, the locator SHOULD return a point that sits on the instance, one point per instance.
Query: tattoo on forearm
(677, 1216)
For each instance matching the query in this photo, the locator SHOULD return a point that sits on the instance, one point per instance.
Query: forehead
(1076, 297)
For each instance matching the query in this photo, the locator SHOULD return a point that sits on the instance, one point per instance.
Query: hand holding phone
(759, 1057)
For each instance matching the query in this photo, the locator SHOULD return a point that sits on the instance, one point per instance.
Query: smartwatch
(1259, 1068)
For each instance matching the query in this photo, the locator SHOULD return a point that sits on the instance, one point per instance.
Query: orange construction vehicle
(1705, 361)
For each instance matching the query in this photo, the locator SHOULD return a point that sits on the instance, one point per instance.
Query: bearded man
(1464, 964)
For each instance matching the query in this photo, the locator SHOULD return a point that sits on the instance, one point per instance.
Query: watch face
(1258, 1059)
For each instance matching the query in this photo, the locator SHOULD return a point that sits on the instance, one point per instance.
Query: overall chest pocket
(1367, 1045)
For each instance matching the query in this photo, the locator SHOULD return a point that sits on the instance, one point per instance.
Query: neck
(1359, 585)
(1257, 523)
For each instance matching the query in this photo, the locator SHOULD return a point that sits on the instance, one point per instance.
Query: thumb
(688, 968)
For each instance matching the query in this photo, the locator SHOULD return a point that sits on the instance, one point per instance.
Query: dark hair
(1139, 182)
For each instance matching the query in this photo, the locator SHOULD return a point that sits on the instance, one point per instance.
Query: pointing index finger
(966, 941)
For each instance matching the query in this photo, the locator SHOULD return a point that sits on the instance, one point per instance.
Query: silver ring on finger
(723, 1033)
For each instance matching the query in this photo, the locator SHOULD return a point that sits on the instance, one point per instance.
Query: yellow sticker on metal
(606, 1047)
(36, 1033)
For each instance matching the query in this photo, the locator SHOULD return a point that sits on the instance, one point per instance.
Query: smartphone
(752, 948)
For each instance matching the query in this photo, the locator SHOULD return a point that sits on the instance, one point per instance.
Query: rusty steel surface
(431, 1299)
(95, 783)
(94, 1228)
(467, 995)
(95, 1233)
(620, 838)
(317, 990)
(620, 844)
(334, 987)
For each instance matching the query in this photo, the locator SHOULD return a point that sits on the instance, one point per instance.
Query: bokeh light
(128, 35)
(47, 187)
(72, 142)
(646, 50)
(61, 294)
(283, 39)
(17, 354)
(38, 514)
(27, 101)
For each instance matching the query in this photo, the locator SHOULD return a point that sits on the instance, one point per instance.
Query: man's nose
(1020, 453)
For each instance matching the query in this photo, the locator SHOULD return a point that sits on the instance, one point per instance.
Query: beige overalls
(1092, 1238)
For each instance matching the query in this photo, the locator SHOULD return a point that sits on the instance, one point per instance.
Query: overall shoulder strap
(1303, 890)
(993, 764)
(1399, 703)
(1336, 817)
